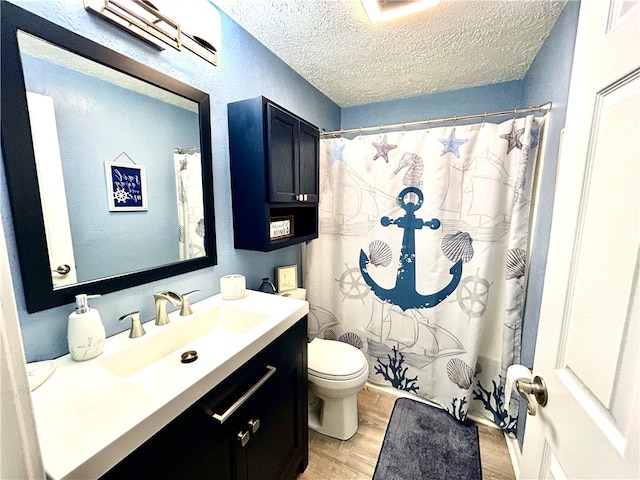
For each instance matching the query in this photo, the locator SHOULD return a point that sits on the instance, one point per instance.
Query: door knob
(243, 438)
(534, 391)
(62, 269)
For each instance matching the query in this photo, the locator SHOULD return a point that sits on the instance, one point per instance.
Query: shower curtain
(420, 260)
(188, 169)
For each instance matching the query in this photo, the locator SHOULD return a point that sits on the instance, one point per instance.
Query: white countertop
(89, 419)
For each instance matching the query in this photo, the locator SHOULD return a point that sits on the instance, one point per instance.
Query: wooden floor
(355, 459)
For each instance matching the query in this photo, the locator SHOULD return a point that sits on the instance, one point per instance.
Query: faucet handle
(136, 326)
(186, 308)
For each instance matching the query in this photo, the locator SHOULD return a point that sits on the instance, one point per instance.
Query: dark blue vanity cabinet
(265, 438)
(274, 175)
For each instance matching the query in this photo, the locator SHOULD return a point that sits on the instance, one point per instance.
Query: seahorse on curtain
(413, 176)
(415, 168)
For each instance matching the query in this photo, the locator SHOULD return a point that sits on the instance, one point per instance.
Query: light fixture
(143, 19)
(380, 10)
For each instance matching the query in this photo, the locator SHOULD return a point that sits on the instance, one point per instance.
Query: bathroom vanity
(239, 411)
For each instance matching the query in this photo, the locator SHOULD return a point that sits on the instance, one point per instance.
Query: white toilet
(336, 371)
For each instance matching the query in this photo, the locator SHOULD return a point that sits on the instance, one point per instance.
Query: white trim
(18, 436)
(514, 454)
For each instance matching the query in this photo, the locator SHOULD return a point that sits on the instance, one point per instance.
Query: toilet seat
(335, 360)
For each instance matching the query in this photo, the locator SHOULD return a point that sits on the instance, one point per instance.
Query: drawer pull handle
(238, 403)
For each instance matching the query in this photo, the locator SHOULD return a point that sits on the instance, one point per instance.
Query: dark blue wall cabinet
(274, 175)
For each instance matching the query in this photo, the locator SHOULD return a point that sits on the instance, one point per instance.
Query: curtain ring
(484, 120)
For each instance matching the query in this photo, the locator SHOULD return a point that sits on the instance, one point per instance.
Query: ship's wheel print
(352, 284)
(473, 293)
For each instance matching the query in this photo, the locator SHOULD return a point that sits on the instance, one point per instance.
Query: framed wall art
(286, 278)
(280, 227)
(126, 187)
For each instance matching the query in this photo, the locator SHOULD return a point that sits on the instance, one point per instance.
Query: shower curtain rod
(516, 111)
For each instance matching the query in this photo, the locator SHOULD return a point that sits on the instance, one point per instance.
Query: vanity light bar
(141, 22)
(200, 47)
(142, 19)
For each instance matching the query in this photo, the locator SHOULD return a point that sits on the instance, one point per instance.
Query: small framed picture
(280, 227)
(126, 187)
(286, 278)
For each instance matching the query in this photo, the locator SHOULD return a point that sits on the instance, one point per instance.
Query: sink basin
(152, 360)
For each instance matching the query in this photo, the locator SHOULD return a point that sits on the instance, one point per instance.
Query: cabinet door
(308, 163)
(273, 444)
(192, 447)
(282, 146)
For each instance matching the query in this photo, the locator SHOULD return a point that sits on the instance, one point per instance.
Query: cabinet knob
(254, 425)
(243, 438)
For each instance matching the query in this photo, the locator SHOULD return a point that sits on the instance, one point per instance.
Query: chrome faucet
(136, 326)
(161, 299)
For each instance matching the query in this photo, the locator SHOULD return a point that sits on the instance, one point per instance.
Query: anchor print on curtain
(420, 259)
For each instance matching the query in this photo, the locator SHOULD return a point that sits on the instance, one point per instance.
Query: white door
(587, 348)
(52, 190)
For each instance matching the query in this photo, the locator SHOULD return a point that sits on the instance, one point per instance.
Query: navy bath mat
(425, 443)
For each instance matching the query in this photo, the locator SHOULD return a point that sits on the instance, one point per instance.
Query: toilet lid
(335, 360)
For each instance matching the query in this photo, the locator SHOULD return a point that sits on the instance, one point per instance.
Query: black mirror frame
(19, 159)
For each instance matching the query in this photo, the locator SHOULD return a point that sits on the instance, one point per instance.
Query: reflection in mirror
(75, 94)
(120, 158)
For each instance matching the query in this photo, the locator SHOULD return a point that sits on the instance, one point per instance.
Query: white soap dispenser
(85, 332)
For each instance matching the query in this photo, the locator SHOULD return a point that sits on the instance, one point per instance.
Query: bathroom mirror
(108, 165)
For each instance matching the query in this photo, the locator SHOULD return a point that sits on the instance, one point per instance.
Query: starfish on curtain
(383, 148)
(335, 150)
(452, 144)
(513, 137)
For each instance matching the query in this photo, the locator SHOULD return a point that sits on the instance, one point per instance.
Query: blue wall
(246, 69)
(488, 98)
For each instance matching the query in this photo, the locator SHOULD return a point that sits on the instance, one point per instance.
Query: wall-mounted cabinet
(274, 175)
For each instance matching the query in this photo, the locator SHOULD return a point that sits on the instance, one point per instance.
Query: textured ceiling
(457, 44)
